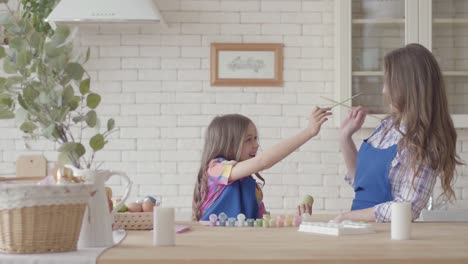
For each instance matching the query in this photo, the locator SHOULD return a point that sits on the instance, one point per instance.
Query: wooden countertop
(431, 243)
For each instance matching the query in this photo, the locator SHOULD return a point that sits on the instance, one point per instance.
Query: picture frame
(246, 64)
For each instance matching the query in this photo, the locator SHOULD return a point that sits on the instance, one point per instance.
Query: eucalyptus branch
(91, 160)
(81, 113)
(41, 77)
(69, 133)
(98, 165)
(63, 134)
(17, 22)
(108, 133)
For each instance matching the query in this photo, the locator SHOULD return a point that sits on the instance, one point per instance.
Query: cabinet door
(374, 28)
(450, 47)
(377, 28)
(367, 29)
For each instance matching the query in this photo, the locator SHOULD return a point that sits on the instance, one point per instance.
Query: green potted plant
(45, 87)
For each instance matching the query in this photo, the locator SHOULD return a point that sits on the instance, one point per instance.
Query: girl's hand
(354, 121)
(317, 118)
(304, 208)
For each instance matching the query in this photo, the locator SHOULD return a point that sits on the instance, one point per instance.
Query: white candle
(401, 221)
(163, 226)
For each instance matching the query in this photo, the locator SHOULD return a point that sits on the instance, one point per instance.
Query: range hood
(105, 11)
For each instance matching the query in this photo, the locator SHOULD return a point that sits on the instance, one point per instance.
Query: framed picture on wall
(246, 64)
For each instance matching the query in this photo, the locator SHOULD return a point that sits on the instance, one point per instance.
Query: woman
(413, 145)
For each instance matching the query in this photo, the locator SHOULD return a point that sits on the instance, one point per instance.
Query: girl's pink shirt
(218, 173)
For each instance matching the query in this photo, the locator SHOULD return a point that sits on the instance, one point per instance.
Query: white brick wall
(155, 82)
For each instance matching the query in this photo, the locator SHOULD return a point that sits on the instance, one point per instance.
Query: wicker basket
(41, 218)
(134, 221)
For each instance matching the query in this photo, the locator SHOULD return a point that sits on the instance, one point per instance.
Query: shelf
(455, 73)
(367, 73)
(379, 21)
(450, 20)
(380, 73)
(459, 121)
(381, 32)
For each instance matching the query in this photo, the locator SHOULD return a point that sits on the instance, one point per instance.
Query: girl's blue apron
(371, 183)
(238, 197)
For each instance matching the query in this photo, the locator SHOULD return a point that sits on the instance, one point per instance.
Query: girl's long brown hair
(223, 138)
(416, 90)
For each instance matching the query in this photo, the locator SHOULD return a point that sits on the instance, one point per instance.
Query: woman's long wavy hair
(223, 138)
(416, 90)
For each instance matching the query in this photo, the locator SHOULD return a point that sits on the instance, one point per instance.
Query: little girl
(229, 158)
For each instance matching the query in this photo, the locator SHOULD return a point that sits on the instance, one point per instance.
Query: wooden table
(431, 243)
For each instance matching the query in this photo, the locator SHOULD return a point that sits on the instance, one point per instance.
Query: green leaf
(6, 113)
(74, 103)
(78, 119)
(67, 147)
(6, 100)
(64, 158)
(51, 50)
(20, 115)
(13, 80)
(64, 112)
(58, 62)
(79, 150)
(13, 29)
(25, 26)
(43, 98)
(97, 142)
(23, 59)
(93, 100)
(88, 54)
(75, 71)
(110, 124)
(18, 43)
(65, 80)
(60, 35)
(30, 94)
(2, 52)
(50, 132)
(22, 102)
(68, 94)
(42, 71)
(9, 67)
(84, 86)
(91, 118)
(28, 127)
(71, 151)
(37, 40)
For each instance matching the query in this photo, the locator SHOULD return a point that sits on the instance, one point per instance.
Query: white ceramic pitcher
(96, 230)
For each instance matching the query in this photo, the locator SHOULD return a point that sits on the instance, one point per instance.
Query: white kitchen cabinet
(367, 29)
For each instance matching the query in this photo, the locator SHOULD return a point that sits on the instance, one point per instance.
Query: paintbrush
(342, 102)
(336, 103)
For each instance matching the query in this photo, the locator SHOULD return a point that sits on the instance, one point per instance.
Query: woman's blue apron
(238, 197)
(371, 183)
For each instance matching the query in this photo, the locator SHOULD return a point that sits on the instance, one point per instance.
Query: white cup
(401, 221)
(164, 226)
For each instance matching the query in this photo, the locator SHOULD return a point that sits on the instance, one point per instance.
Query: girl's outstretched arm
(279, 151)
